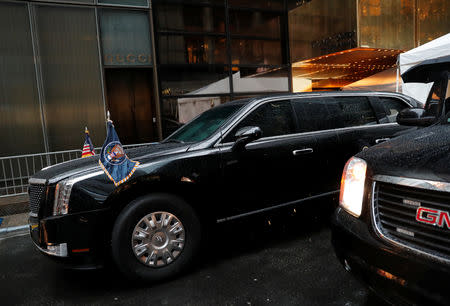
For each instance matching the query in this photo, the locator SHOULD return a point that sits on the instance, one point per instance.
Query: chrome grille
(394, 212)
(37, 197)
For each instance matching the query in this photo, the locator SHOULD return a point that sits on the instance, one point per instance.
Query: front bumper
(396, 274)
(78, 240)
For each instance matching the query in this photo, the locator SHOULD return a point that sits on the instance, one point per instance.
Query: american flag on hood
(88, 148)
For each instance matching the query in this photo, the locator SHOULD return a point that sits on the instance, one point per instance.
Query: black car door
(318, 120)
(272, 170)
(362, 124)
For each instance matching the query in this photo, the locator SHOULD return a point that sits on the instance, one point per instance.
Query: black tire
(122, 251)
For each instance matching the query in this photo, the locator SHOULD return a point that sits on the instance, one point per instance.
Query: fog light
(59, 250)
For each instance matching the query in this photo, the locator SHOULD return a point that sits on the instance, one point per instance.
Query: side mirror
(415, 117)
(246, 135)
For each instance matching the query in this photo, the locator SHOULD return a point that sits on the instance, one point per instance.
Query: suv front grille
(394, 212)
(37, 197)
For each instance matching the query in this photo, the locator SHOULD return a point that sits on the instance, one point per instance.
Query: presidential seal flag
(88, 147)
(113, 160)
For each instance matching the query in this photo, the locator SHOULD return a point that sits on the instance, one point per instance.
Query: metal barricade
(16, 170)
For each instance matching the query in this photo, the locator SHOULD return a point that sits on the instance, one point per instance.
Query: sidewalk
(13, 225)
(13, 215)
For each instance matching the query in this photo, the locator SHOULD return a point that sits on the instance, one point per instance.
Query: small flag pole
(108, 117)
(86, 130)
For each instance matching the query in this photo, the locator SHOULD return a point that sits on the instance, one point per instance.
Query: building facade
(155, 65)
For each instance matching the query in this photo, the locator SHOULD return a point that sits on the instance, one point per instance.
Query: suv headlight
(62, 197)
(352, 186)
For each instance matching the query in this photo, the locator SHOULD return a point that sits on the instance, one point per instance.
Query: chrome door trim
(253, 212)
(302, 151)
(279, 137)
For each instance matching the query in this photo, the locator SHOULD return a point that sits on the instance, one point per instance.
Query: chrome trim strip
(387, 238)
(37, 181)
(253, 212)
(416, 183)
(279, 137)
(77, 177)
(64, 254)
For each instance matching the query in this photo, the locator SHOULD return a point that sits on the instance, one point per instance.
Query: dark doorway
(129, 95)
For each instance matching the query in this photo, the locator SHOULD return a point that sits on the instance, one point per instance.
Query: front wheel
(155, 237)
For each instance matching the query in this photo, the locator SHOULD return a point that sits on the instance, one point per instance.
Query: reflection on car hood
(81, 165)
(423, 154)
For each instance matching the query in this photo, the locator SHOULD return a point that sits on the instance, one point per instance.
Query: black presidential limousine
(241, 158)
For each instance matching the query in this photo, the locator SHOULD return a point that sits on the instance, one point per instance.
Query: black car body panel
(396, 274)
(399, 270)
(423, 154)
(400, 244)
(219, 182)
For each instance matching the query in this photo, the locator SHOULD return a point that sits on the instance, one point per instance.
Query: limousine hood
(422, 154)
(90, 164)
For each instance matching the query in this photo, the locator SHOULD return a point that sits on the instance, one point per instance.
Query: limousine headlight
(64, 189)
(62, 196)
(352, 186)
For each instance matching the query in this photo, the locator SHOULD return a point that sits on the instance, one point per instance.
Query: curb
(13, 229)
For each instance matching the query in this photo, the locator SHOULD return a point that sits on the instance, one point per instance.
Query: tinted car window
(314, 114)
(355, 111)
(327, 113)
(393, 107)
(274, 118)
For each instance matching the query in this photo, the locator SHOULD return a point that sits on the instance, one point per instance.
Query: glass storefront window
(253, 51)
(433, 18)
(200, 2)
(260, 80)
(386, 24)
(251, 23)
(177, 111)
(321, 27)
(191, 49)
(263, 4)
(20, 120)
(71, 75)
(193, 80)
(71, 1)
(125, 2)
(189, 18)
(125, 37)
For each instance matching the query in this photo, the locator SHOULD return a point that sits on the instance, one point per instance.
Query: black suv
(241, 158)
(392, 229)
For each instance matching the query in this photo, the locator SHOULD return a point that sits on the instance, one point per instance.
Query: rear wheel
(155, 237)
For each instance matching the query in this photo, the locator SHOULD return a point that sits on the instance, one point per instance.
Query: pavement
(287, 261)
(13, 215)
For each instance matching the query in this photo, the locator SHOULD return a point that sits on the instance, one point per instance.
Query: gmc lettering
(433, 217)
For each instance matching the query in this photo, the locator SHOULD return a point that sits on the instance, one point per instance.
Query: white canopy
(434, 49)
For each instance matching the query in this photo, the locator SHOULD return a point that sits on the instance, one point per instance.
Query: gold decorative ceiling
(341, 68)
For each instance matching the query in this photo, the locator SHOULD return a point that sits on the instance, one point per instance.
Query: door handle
(380, 140)
(302, 151)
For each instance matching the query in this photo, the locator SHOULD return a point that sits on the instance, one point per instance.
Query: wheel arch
(191, 193)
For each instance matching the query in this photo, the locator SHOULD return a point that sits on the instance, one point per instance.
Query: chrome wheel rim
(158, 239)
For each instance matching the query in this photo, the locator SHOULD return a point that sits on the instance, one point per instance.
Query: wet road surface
(289, 262)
